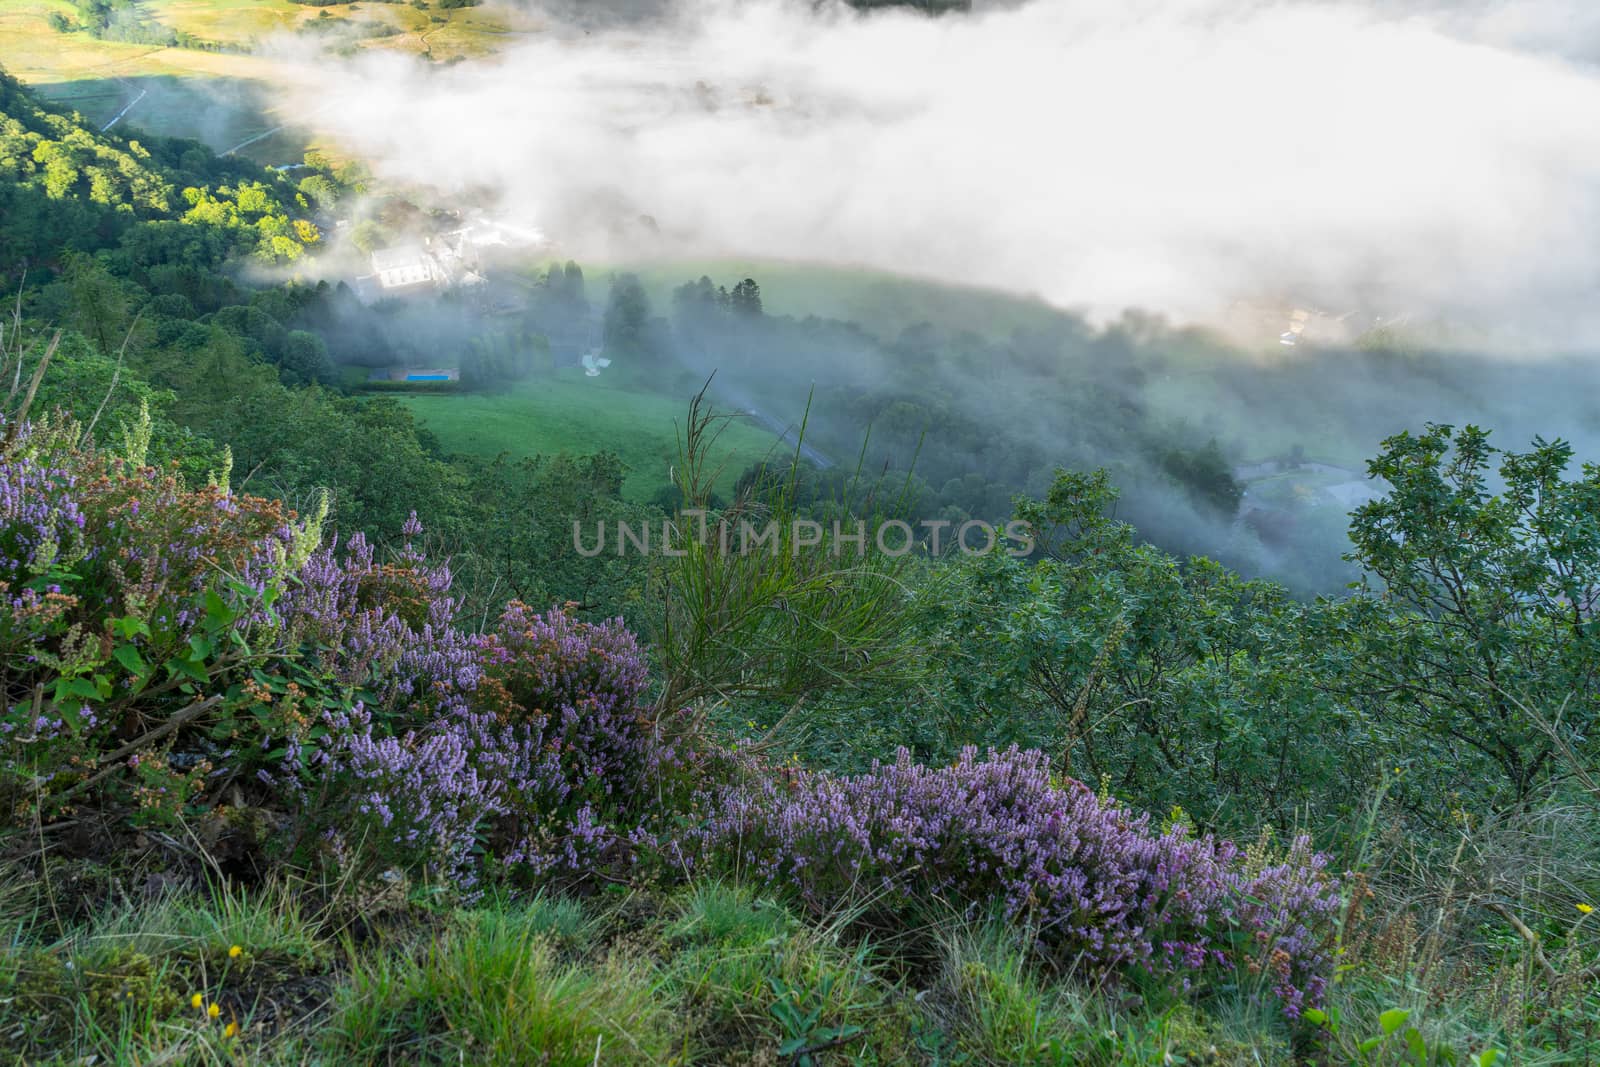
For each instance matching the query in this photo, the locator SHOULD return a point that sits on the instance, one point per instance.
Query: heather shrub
(538, 748)
(130, 605)
(1099, 886)
(163, 643)
(562, 727)
(383, 629)
(412, 801)
(577, 685)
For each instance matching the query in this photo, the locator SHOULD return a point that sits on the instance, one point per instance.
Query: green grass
(706, 973)
(493, 983)
(220, 98)
(229, 21)
(569, 412)
(441, 34)
(882, 302)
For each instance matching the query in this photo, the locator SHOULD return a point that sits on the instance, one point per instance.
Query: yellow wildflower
(1586, 908)
(233, 952)
(230, 1030)
(196, 1001)
(214, 1010)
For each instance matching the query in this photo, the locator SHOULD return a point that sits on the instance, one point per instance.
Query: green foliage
(968, 421)
(63, 186)
(628, 330)
(1395, 1041)
(498, 359)
(800, 1013)
(1479, 632)
(1138, 669)
(522, 547)
(127, 21)
(495, 985)
(120, 642)
(125, 981)
(1462, 674)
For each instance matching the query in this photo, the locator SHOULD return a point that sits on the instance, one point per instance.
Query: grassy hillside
(889, 302)
(1183, 383)
(711, 974)
(292, 772)
(440, 33)
(221, 97)
(569, 412)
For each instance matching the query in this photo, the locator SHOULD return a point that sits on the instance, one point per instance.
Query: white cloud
(1171, 154)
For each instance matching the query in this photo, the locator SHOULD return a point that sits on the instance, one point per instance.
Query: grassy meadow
(569, 412)
(216, 97)
(889, 302)
(226, 97)
(440, 34)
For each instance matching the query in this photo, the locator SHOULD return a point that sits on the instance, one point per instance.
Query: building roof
(398, 258)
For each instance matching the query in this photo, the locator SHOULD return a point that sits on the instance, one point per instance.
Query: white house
(405, 266)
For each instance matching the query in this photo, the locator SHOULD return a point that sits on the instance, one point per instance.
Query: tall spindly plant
(784, 620)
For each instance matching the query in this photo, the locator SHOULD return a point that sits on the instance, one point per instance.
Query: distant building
(406, 266)
(1299, 318)
(415, 374)
(1294, 323)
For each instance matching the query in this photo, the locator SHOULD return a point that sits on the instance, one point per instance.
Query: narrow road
(790, 435)
(261, 136)
(127, 108)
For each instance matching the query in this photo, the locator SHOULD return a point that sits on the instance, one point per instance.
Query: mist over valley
(800, 532)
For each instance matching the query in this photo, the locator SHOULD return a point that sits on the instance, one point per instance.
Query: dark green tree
(627, 319)
(745, 299)
(1478, 627)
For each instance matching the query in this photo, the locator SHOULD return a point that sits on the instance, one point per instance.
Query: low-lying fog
(1172, 155)
(1424, 168)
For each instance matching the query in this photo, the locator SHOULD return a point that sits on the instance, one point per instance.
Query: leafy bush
(163, 643)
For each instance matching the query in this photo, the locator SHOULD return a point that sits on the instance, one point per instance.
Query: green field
(885, 303)
(220, 98)
(568, 412)
(442, 34)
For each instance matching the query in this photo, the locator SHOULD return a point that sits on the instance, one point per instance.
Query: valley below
(790, 534)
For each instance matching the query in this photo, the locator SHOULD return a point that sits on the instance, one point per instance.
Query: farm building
(416, 374)
(405, 266)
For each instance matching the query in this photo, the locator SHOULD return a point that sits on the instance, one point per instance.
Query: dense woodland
(321, 745)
